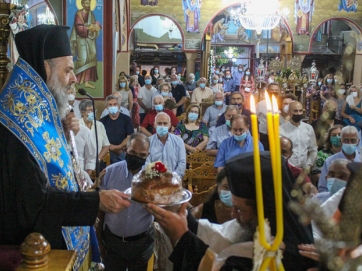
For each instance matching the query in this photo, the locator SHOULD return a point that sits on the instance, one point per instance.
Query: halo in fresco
(92, 4)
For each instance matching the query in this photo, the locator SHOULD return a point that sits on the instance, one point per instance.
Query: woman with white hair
(352, 108)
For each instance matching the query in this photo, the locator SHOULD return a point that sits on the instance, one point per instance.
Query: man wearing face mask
(145, 97)
(337, 178)
(167, 147)
(238, 75)
(213, 112)
(285, 101)
(325, 121)
(118, 127)
(239, 143)
(349, 140)
(236, 99)
(201, 92)
(148, 127)
(87, 120)
(128, 235)
(222, 132)
(229, 86)
(179, 93)
(73, 102)
(190, 85)
(303, 138)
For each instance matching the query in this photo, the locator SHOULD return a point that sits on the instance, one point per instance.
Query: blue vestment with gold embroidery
(29, 111)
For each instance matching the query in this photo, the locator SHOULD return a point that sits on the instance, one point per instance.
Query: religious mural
(86, 40)
(303, 15)
(348, 5)
(192, 17)
(149, 3)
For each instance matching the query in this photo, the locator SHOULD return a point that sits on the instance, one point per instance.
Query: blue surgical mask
(156, 71)
(222, 69)
(220, 80)
(217, 72)
(159, 107)
(215, 81)
(228, 76)
(225, 197)
(319, 83)
(247, 73)
(241, 137)
(148, 81)
(174, 83)
(228, 123)
(161, 130)
(240, 70)
(178, 77)
(335, 184)
(90, 116)
(193, 116)
(113, 110)
(202, 85)
(137, 72)
(219, 103)
(329, 81)
(335, 141)
(349, 148)
(122, 85)
(164, 94)
(192, 81)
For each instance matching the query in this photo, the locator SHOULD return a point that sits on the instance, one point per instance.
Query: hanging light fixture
(260, 15)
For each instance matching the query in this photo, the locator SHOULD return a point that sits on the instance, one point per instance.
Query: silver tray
(186, 196)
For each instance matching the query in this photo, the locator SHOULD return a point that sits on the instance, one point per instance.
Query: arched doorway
(157, 39)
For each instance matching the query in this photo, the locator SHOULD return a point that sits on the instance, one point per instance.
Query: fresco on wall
(86, 40)
(348, 5)
(192, 17)
(303, 13)
(151, 3)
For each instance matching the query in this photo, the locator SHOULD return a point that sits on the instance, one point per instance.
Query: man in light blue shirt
(239, 143)
(229, 86)
(222, 132)
(214, 111)
(349, 140)
(166, 147)
(238, 74)
(128, 235)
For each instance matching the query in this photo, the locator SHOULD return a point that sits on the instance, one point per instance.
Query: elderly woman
(190, 85)
(352, 108)
(192, 130)
(239, 143)
(124, 90)
(332, 145)
(87, 120)
(217, 209)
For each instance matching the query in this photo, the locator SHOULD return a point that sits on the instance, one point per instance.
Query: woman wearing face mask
(155, 74)
(124, 90)
(239, 143)
(247, 87)
(341, 98)
(332, 145)
(327, 88)
(215, 85)
(192, 130)
(135, 108)
(217, 209)
(352, 108)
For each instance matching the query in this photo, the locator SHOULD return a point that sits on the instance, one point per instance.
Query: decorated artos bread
(156, 185)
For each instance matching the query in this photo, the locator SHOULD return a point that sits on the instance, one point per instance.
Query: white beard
(60, 94)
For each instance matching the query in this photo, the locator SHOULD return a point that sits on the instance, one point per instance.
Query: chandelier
(260, 15)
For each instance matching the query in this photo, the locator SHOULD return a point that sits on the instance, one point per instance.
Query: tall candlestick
(257, 172)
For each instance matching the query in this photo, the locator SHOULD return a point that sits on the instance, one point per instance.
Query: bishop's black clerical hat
(41, 43)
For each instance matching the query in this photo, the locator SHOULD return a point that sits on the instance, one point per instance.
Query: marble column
(190, 62)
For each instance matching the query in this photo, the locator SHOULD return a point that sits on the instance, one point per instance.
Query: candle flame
(252, 104)
(275, 105)
(267, 100)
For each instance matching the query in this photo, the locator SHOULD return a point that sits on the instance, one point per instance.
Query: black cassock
(28, 204)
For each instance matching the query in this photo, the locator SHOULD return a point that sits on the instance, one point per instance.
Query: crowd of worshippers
(316, 153)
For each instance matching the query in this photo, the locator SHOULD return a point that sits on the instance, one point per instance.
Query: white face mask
(71, 97)
(354, 94)
(286, 109)
(341, 91)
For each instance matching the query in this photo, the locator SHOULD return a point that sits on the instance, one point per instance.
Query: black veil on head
(240, 173)
(41, 43)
